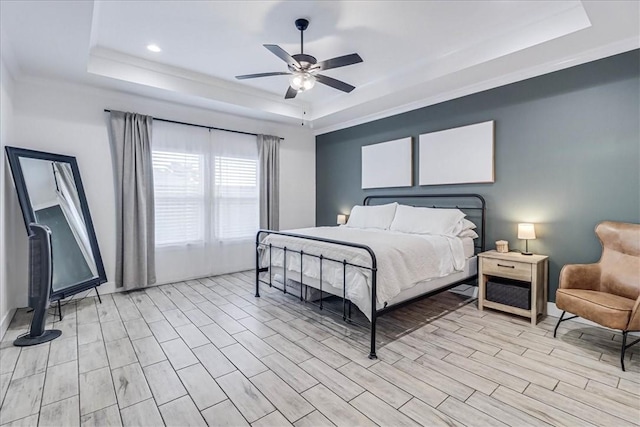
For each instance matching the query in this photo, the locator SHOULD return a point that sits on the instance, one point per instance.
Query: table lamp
(342, 219)
(526, 231)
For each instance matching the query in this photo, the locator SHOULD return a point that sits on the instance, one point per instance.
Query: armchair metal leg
(555, 330)
(624, 347)
(561, 319)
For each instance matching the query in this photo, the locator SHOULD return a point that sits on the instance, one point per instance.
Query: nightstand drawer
(509, 269)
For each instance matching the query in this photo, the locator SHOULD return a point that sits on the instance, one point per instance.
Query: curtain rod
(200, 126)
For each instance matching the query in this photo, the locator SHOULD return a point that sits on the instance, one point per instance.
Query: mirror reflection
(55, 202)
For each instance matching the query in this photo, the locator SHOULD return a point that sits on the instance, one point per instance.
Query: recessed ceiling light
(154, 48)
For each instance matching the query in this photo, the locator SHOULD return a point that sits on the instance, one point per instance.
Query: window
(206, 185)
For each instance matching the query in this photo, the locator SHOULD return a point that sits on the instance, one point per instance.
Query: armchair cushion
(606, 309)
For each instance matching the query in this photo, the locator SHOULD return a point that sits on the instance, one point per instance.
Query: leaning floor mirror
(50, 193)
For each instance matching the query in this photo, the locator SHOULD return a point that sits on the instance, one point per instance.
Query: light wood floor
(208, 352)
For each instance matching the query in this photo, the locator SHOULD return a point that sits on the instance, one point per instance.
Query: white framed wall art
(387, 164)
(457, 156)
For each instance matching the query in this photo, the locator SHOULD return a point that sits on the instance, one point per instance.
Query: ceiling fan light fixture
(302, 81)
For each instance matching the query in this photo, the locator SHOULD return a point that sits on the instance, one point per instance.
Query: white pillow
(468, 225)
(409, 219)
(463, 225)
(468, 233)
(372, 216)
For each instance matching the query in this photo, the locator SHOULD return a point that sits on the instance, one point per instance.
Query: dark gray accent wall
(567, 156)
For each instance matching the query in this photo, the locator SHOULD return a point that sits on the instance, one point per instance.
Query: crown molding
(516, 76)
(109, 63)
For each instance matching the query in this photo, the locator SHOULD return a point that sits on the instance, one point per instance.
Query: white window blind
(179, 197)
(236, 186)
(206, 185)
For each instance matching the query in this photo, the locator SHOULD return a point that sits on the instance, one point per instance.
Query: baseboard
(110, 287)
(553, 310)
(4, 324)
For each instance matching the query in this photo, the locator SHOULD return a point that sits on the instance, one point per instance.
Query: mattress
(403, 261)
(468, 246)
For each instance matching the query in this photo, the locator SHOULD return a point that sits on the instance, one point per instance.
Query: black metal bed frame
(479, 205)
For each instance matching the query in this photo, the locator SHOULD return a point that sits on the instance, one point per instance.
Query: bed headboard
(473, 205)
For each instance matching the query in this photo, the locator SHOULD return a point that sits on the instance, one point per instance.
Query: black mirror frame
(14, 154)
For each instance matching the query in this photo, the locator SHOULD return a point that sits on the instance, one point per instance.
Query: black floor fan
(40, 276)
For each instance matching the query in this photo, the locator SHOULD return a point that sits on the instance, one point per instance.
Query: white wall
(69, 119)
(7, 300)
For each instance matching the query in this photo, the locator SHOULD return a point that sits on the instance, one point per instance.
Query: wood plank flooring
(207, 352)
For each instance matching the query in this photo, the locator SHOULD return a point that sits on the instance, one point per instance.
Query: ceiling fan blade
(282, 54)
(291, 93)
(254, 76)
(336, 84)
(340, 61)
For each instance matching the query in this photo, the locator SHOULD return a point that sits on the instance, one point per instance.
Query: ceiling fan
(304, 68)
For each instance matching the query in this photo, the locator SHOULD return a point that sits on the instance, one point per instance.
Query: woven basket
(509, 292)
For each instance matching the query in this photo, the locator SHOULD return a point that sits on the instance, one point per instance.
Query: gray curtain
(135, 221)
(269, 155)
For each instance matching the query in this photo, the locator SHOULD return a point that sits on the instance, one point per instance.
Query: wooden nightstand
(531, 270)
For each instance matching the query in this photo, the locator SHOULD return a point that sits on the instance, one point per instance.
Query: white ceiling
(415, 53)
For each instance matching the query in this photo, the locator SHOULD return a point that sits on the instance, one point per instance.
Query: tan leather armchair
(607, 292)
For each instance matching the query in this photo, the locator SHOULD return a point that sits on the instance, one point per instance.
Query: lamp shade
(342, 219)
(526, 231)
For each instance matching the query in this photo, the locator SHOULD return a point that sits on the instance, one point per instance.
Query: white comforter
(403, 260)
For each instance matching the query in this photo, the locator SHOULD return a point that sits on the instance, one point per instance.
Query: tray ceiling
(415, 53)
